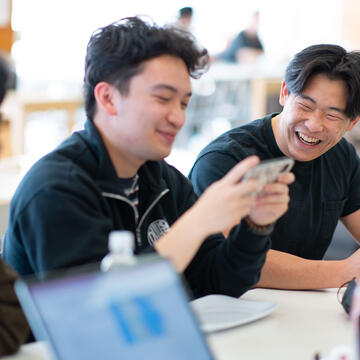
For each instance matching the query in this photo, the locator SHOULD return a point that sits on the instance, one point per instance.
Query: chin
(305, 157)
(158, 156)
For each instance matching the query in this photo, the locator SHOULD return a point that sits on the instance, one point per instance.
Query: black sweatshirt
(69, 201)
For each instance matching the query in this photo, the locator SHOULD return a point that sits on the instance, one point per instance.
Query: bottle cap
(121, 241)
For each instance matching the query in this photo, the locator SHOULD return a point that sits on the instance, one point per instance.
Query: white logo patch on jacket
(156, 229)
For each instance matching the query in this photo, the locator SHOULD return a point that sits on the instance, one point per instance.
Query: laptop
(133, 312)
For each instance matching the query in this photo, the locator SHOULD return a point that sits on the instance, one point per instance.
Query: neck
(275, 121)
(126, 166)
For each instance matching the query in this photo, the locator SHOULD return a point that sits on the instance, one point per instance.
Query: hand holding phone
(269, 170)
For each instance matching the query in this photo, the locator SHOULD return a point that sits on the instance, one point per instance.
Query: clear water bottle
(121, 250)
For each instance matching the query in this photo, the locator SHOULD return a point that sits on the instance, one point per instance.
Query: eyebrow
(168, 87)
(306, 97)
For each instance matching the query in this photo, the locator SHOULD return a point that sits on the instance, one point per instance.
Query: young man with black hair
(14, 328)
(320, 99)
(112, 175)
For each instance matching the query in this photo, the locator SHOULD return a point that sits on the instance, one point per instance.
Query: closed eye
(333, 117)
(305, 107)
(163, 98)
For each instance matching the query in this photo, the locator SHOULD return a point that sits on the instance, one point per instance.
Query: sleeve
(58, 228)
(14, 328)
(228, 266)
(225, 266)
(353, 196)
(210, 168)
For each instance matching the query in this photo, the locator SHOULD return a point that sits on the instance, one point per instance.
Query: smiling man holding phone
(112, 176)
(321, 102)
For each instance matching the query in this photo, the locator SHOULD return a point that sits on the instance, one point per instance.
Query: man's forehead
(168, 87)
(166, 73)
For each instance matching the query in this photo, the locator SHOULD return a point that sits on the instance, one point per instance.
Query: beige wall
(350, 29)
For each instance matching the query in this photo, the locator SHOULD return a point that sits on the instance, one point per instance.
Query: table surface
(305, 323)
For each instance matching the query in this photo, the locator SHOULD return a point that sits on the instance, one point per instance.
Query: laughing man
(321, 102)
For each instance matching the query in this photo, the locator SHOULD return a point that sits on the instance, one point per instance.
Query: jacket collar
(151, 173)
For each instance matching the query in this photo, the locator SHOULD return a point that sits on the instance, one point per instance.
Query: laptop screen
(131, 313)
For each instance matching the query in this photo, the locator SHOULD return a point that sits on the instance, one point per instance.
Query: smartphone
(269, 170)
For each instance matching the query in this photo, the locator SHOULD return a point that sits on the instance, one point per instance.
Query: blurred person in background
(246, 47)
(14, 328)
(184, 19)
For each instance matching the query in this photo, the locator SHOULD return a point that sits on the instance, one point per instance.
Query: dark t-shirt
(325, 189)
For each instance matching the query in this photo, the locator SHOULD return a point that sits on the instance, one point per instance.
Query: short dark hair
(116, 53)
(334, 62)
(186, 11)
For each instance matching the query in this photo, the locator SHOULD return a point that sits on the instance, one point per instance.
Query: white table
(305, 323)
(33, 351)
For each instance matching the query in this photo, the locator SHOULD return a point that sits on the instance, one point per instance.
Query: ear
(283, 93)
(104, 95)
(353, 123)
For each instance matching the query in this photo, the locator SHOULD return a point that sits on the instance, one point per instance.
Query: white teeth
(308, 139)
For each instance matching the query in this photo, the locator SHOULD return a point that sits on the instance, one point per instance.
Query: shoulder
(173, 177)
(341, 162)
(344, 152)
(240, 142)
(63, 169)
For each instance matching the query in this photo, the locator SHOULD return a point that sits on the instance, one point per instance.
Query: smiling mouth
(307, 139)
(168, 135)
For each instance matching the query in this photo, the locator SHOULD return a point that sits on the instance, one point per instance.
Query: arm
(286, 271)
(352, 223)
(14, 328)
(224, 266)
(58, 228)
(220, 207)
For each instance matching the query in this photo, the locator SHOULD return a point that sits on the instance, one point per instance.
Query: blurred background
(45, 41)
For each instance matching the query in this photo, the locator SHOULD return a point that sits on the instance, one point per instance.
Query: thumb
(239, 170)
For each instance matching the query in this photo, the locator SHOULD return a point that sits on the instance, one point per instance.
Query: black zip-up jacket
(70, 200)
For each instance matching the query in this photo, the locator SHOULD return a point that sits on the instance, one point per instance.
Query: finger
(287, 178)
(275, 188)
(247, 188)
(272, 199)
(239, 170)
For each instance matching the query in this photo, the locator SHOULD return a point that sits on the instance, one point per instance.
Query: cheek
(338, 134)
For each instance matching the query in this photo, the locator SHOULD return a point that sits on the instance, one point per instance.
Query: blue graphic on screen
(137, 319)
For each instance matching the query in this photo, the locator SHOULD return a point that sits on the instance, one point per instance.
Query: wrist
(259, 229)
(200, 227)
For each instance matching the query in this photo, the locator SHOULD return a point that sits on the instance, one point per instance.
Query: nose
(176, 117)
(314, 123)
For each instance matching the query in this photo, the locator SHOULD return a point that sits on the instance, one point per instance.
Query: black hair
(334, 62)
(117, 52)
(186, 11)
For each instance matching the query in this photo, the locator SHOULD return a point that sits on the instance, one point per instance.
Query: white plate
(219, 312)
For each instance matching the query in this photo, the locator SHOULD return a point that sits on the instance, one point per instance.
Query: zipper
(136, 213)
